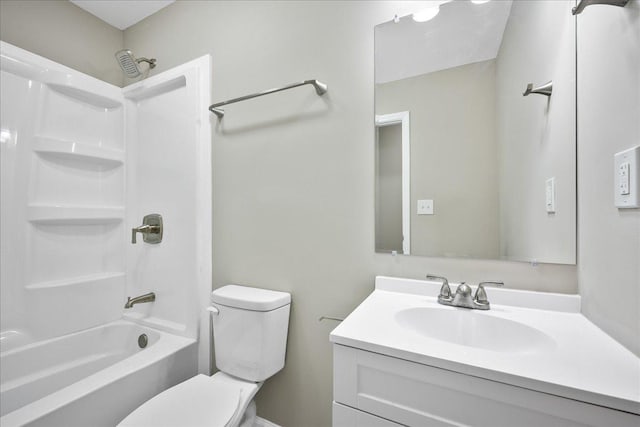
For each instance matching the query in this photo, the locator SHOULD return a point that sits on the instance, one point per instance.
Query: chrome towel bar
(320, 88)
(338, 319)
(584, 3)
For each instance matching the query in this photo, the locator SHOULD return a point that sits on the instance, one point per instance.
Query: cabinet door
(344, 416)
(413, 394)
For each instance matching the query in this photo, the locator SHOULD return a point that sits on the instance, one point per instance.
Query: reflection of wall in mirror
(536, 134)
(453, 158)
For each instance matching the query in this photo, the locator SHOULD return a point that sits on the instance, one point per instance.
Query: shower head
(129, 63)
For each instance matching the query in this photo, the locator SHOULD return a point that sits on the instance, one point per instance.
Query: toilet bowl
(250, 335)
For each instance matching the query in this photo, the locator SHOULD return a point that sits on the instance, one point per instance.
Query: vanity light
(426, 14)
(5, 135)
(430, 12)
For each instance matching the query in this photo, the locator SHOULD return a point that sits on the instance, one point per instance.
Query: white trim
(402, 118)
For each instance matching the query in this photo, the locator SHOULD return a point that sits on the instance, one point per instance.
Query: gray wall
(294, 173)
(608, 122)
(62, 32)
(454, 158)
(536, 134)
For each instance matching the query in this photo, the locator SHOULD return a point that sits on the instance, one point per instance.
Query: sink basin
(475, 329)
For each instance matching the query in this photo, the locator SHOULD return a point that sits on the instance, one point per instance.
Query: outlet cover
(425, 207)
(627, 178)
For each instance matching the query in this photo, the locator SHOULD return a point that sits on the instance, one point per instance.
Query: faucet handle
(481, 295)
(434, 277)
(445, 290)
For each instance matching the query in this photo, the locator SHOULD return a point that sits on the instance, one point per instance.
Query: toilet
(250, 335)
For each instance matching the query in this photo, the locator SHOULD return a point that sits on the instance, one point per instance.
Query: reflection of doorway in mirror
(393, 204)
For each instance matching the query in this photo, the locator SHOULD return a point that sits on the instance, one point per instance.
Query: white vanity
(532, 360)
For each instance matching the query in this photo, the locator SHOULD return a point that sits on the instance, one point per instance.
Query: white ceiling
(122, 13)
(462, 33)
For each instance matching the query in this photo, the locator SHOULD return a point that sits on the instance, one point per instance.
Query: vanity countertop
(575, 359)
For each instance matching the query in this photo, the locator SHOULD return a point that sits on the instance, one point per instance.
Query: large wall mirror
(468, 166)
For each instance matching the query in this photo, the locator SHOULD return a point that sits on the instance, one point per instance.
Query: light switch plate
(626, 178)
(550, 195)
(425, 207)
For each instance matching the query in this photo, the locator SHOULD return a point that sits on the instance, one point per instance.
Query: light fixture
(480, 1)
(5, 135)
(426, 14)
(430, 12)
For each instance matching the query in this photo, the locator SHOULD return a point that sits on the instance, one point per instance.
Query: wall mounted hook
(545, 89)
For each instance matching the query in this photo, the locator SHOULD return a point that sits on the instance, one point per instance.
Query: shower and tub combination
(83, 162)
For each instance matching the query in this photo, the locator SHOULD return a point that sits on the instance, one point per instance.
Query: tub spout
(150, 297)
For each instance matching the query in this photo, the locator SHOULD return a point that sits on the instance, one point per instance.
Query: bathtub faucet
(150, 297)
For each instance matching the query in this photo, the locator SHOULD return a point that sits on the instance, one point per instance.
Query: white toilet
(250, 335)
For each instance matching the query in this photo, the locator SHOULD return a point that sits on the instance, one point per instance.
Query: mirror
(468, 166)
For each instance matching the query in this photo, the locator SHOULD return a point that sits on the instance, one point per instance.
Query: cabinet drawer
(418, 395)
(344, 416)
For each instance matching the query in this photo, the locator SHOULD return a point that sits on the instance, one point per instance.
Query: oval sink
(475, 329)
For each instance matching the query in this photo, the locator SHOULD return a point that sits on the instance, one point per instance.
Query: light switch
(627, 178)
(550, 195)
(425, 207)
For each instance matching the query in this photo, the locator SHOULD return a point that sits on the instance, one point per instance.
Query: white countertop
(580, 362)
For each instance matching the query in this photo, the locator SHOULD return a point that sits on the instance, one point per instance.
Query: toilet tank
(250, 331)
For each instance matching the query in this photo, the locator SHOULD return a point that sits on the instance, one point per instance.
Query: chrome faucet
(150, 297)
(462, 297)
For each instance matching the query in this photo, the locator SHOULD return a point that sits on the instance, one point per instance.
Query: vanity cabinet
(375, 390)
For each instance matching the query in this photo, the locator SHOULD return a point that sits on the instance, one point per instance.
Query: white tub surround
(83, 162)
(538, 342)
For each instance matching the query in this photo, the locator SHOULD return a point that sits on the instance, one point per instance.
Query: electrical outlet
(425, 207)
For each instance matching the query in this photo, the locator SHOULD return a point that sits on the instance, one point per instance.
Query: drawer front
(418, 395)
(344, 416)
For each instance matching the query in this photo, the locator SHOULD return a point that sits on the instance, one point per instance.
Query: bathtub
(94, 378)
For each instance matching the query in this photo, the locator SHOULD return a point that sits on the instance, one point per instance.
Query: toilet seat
(217, 401)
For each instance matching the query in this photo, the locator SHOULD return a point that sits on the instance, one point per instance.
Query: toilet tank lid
(250, 298)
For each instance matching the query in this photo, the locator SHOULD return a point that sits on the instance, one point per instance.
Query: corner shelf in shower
(51, 214)
(98, 279)
(69, 149)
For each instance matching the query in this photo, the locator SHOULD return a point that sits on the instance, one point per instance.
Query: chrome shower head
(129, 63)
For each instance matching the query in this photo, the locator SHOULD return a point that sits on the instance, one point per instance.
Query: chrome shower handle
(151, 229)
(546, 89)
(144, 229)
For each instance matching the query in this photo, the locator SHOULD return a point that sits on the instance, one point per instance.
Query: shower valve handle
(151, 229)
(142, 229)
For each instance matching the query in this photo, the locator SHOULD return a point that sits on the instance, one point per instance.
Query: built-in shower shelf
(75, 214)
(98, 279)
(91, 98)
(71, 149)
